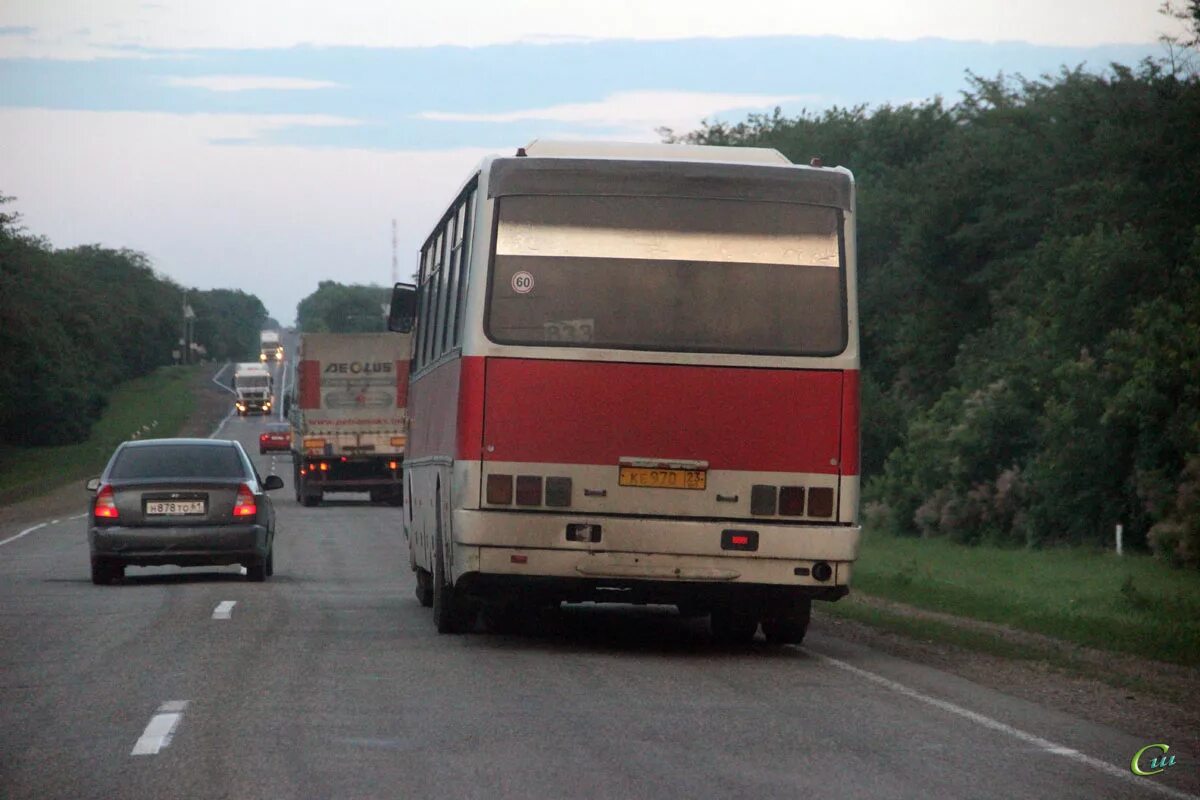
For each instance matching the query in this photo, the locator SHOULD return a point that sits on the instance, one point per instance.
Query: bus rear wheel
(449, 605)
(788, 626)
(730, 626)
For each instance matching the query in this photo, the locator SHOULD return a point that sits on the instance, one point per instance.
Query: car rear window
(178, 461)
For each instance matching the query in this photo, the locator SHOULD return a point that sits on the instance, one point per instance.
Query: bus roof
(549, 148)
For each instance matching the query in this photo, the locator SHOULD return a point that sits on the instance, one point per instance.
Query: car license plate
(650, 478)
(174, 507)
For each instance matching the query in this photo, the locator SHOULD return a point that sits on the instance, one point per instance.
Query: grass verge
(1131, 604)
(152, 406)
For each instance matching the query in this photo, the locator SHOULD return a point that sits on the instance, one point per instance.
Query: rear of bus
(669, 388)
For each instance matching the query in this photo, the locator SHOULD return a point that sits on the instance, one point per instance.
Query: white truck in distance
(252, 384)
(349, 414)
(270, 346)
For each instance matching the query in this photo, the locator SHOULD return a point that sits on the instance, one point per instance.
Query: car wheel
(271, 561)
(730, 626)
(262, 451)
(788, 626)
(256, 573)
(102, 573)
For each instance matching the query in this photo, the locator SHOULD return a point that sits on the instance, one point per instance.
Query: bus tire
(788, 626)
(424, 589)
(311, 500)
(449, 614)
(731, 626)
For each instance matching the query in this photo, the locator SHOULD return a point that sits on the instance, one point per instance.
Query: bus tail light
(500, 490)
(324, 466)
(820, 502)
(558, 492)
(791, 501)
(762, 500)
(529, 490)
(739, 540)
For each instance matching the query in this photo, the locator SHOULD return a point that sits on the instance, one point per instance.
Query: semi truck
(253, 385)
(270, 346)
(349, 415)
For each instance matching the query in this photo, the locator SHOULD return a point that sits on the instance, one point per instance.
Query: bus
(635, 379)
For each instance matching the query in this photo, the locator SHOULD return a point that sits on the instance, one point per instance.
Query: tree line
(344, 308)
(1030, 304)
(75, 322)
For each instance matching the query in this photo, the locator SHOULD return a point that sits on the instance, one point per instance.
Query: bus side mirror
(403, 312)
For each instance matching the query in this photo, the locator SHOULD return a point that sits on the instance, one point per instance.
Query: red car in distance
(278, 437)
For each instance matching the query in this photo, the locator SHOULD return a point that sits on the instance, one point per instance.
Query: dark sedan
(188, 502)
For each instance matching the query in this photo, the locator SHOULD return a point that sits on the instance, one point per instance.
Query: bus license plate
(649, 478)
(172, 507)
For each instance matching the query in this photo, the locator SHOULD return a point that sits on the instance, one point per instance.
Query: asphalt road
(329, 681)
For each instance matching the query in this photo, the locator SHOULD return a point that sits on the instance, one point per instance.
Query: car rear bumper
(224, 544)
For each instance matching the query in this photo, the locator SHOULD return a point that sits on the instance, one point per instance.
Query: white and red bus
(635, 379)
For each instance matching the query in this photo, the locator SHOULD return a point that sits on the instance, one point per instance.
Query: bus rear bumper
(637, 552)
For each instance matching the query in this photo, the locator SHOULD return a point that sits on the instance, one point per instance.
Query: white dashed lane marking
(158, 733)
(224, 609)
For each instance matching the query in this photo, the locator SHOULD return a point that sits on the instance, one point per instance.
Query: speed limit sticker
(522, 282)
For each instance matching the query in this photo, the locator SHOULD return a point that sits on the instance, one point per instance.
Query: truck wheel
(788, 626)
(730, 626)
(311, 500)
(396, 497)
(256, 573)
(449, 613)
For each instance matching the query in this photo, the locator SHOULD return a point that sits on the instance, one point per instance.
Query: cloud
(631, 112)
(267, 219)
(16, 30)
(237, 24)
(247, 83)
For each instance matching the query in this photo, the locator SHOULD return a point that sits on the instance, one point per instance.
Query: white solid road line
(213, 435)
(25, 532)
(996, 725)
(157, 735)
(218, 383)
(224, 609)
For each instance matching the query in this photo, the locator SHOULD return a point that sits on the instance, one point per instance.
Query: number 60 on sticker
(522, 282)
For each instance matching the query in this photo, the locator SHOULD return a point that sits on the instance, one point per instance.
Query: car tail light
(500, 490)
(262, 437)
(529, 490)
(791, 501)
(244, 506)
(106, 503)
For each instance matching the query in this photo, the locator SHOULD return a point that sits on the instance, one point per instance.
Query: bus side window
(464, 265)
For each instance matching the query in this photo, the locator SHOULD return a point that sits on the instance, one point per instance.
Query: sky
(268, 145)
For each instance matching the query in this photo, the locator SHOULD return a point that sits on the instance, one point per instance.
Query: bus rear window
(670, 274)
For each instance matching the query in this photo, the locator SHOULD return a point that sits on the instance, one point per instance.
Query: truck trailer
(349, 415)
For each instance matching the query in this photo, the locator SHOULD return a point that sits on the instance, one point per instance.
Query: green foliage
(73, 323)
(1029, 272)
(340, 308)
(228, 322)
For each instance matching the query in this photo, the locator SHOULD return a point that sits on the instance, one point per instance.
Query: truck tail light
(244, 506)
(393, 465)
(499, 490)
(106, 504)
